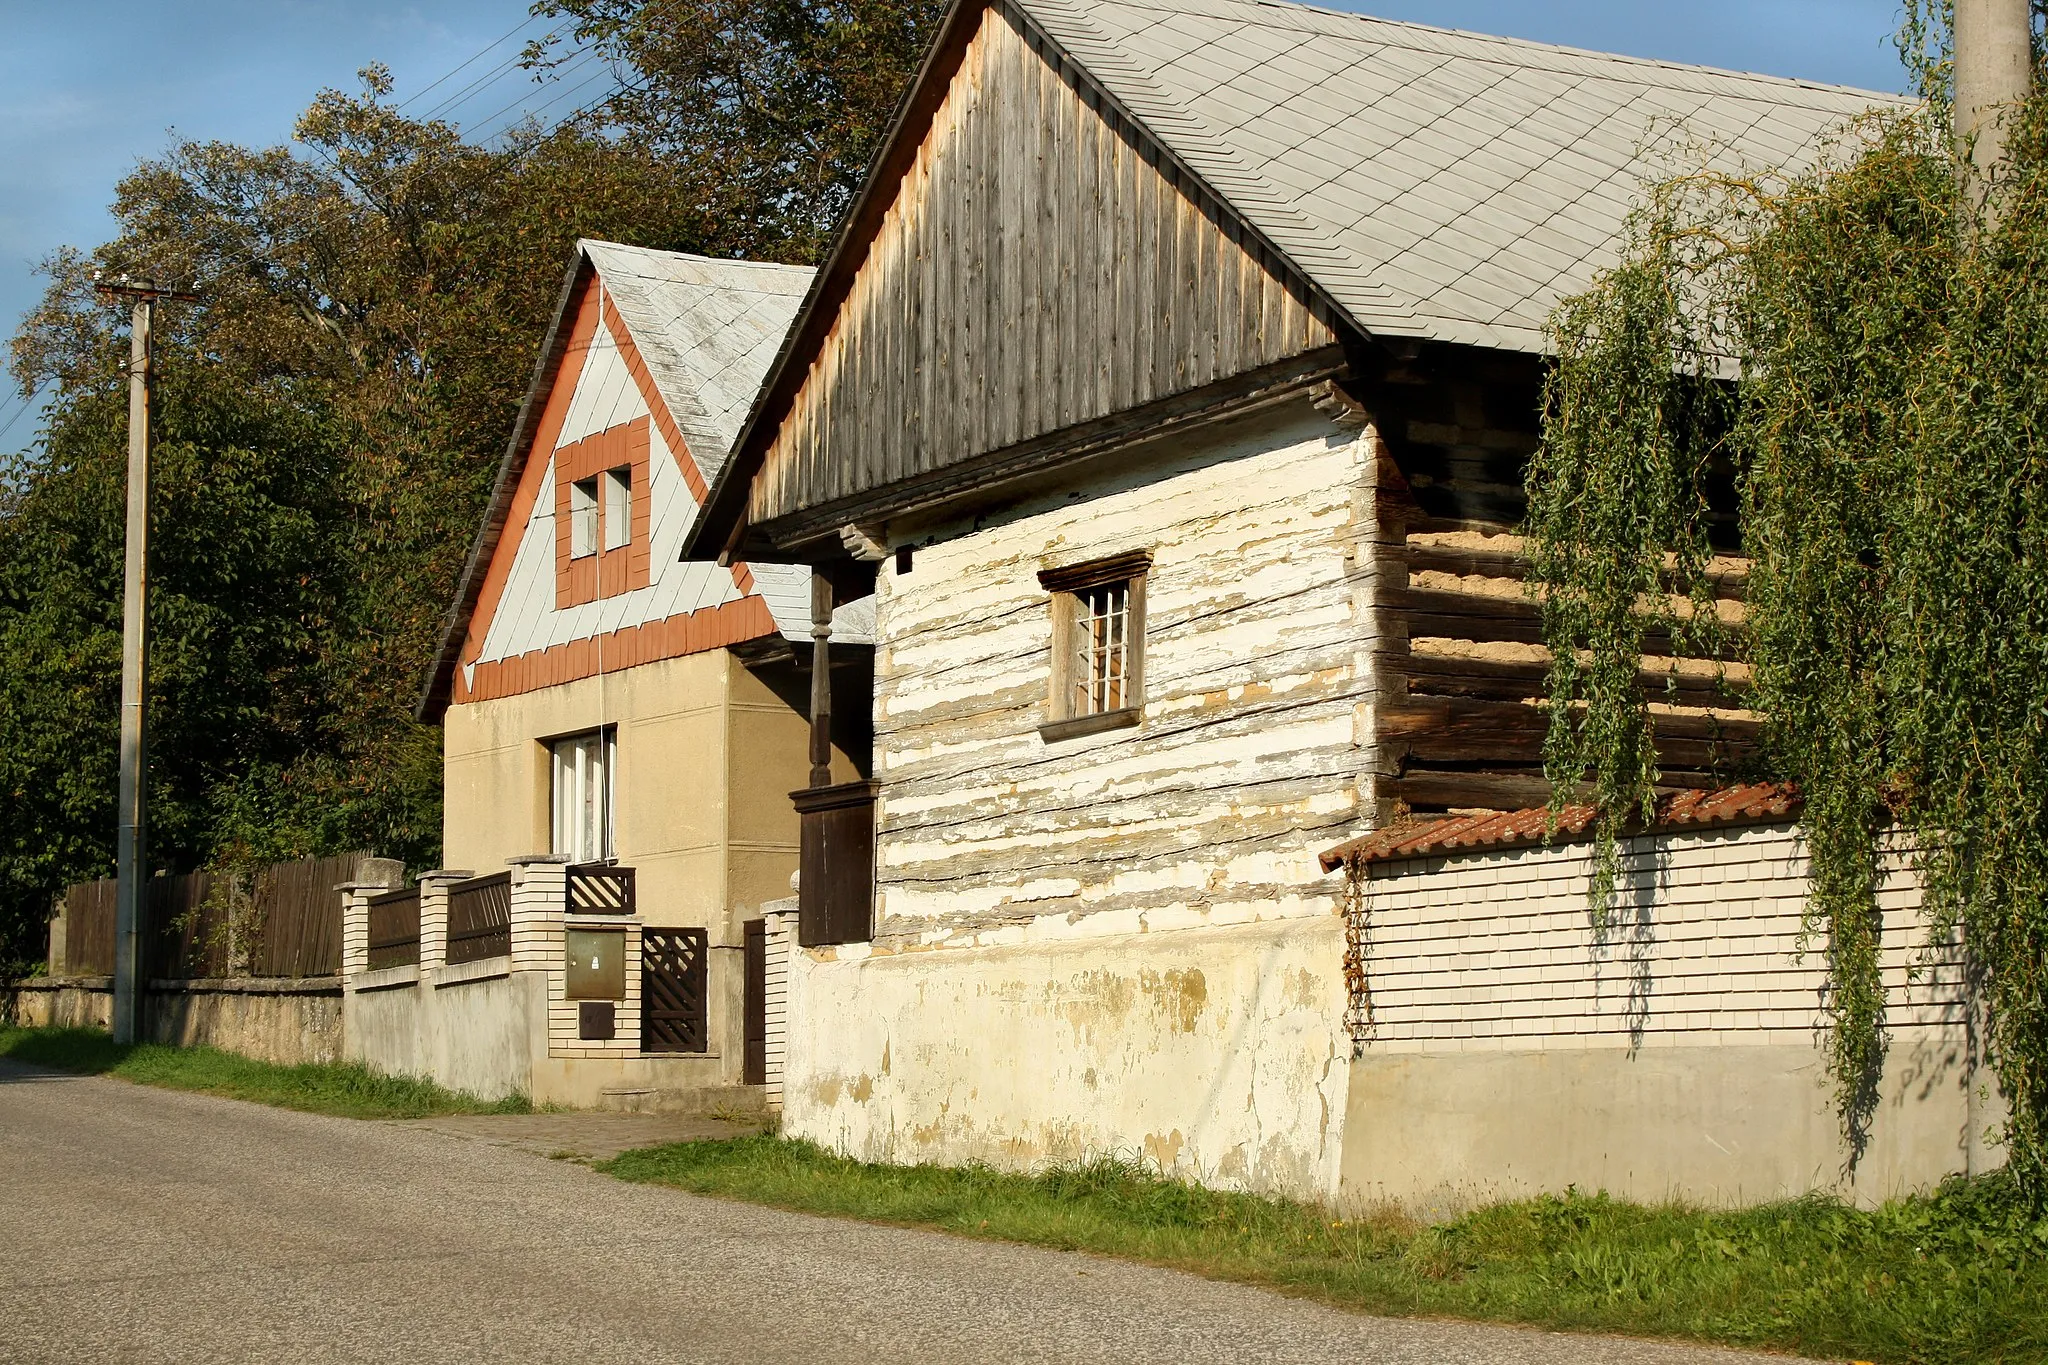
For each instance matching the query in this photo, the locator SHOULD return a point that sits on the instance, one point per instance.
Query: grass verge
(1957, 1276)
(342, 1089)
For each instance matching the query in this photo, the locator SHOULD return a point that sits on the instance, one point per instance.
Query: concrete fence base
(288, 1020)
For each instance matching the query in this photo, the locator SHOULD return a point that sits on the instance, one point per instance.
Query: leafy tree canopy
(330, 414)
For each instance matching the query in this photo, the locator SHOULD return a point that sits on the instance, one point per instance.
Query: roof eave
(436, 697)
(721, 527)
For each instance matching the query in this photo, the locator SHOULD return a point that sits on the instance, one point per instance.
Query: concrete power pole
(131, 870)
(1994, 68)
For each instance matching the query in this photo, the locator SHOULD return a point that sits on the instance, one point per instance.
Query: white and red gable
(651, 367)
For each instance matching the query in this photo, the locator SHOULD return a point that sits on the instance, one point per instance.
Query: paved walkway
(148, 1225)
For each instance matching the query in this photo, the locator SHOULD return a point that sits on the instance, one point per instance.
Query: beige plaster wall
(1212, 1051)
(671, 811)
(708, 755)
(1706, 1123)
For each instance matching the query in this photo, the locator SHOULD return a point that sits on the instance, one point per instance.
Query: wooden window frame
(1066, 584)
(623, 450)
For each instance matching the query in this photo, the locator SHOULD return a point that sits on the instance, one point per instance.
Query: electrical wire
(28, 405)
(457, 99)
(581, 86)
(466, 62)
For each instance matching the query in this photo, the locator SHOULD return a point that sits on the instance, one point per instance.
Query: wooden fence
(279, 920)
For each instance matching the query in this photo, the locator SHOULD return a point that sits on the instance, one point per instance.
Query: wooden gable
(1041, 265)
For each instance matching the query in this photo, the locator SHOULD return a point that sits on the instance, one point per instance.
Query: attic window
(582, 518)
(618, 508)
(1098, 645)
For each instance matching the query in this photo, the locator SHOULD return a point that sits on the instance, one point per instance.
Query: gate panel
(754, 1068)
(672, 990)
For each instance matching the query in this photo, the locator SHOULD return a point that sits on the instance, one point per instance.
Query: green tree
(1889, 437)
(332, 414)
(770, 108)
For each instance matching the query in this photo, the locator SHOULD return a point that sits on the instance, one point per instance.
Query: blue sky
(89, 87)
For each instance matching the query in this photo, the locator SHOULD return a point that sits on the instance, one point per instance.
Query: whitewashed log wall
(1123, 942)
(1258, 644)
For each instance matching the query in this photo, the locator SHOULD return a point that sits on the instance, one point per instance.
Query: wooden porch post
(821, 680)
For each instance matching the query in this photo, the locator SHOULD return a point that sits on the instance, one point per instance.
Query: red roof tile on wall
(1752, 804)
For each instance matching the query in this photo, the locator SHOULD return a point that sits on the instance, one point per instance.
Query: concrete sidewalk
(149, 1225)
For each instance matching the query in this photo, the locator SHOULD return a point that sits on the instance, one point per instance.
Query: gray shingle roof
(708, 330)
(1437, 184)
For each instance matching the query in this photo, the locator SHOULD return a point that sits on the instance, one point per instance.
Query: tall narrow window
(618, 508)
(584, 781)
(1099, 670)
(1098, 642)
(582, 518)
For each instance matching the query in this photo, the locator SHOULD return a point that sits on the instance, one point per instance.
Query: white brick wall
(782, 919)
(1497, 950)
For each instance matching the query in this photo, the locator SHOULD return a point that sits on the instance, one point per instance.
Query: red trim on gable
(689, 633)
(685, 458)
(651, 396)
(540, 454)
(694, 632)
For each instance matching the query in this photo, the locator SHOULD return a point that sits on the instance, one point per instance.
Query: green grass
(342, 1089)
(1957, 1276)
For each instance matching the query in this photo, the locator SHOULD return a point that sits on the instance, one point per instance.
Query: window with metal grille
(1098, 637)
(1100, 668)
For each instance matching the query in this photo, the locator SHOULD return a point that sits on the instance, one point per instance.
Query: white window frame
(582, 518)
(617, 486)
(582, 795)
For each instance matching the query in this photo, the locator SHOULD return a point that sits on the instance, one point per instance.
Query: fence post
(782, 921)
(60, 924)
(434, 917)
(373, 876)
(540, 889)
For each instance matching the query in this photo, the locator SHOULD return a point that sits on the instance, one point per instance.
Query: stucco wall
(671, 812)
(708, 755)
(1120, 943)
(1213, 1052)
(1514, 1050)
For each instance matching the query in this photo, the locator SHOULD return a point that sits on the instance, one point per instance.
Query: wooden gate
(754, 1064)
(672, 991)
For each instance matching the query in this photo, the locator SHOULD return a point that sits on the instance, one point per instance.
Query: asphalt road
(147, 1225)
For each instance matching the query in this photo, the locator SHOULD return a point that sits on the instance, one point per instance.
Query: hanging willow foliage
(1886, 432)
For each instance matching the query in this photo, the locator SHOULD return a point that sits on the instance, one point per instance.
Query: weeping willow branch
(1864, 366)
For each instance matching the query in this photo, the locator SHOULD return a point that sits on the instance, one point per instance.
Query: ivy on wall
(1864, 352)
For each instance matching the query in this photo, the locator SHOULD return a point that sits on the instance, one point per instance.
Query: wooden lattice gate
(672, 991)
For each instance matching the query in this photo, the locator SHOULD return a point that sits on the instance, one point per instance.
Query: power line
(28, 405)
(604, 72)
(456, 99)
(467, 61)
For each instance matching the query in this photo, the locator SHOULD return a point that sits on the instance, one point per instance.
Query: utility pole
(1994, 70)
(131, 870)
